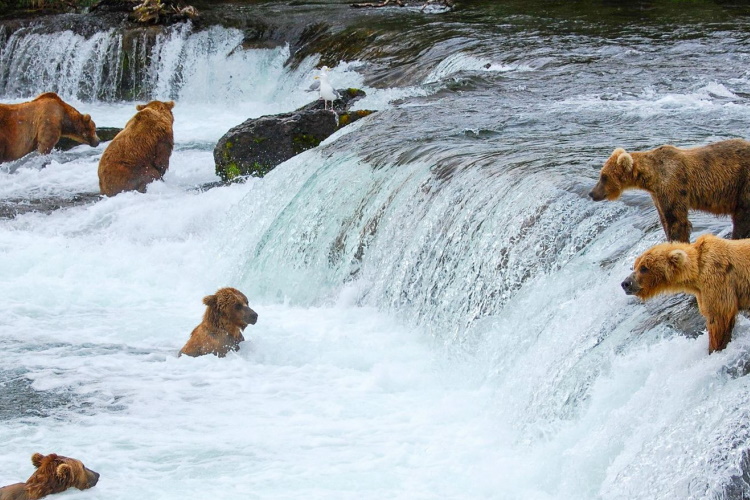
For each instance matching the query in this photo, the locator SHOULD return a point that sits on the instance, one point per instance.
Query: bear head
(55, 473)
(163, 108)
(614, 177)
(228, 310)
(664, 268)
(78, 127)
(85, 131)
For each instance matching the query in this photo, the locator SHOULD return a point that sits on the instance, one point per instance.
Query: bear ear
(36, 459)
(86, 118)
(210, 300)
(625, 160)
(140, 107)
(64, 473)
(170, 104)
(678, 257)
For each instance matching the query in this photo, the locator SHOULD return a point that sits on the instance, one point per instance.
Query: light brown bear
(227, 314)
(39, 124)
(54, 474)
(715, 270)
(713, 178)
(139, 153)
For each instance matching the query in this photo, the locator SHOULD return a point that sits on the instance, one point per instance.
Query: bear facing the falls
(139, 154)
(714, 178)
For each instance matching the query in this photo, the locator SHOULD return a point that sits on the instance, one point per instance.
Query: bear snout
(251, 317)
(596, 196)
(94, 142)
(92, 477)
(630, 285)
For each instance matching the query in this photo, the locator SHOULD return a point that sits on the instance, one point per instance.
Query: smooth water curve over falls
(440, 311)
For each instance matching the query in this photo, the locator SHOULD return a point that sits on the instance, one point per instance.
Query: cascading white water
(208, 66)
(437, 319)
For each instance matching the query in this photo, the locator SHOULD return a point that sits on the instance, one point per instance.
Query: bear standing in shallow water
(54, 474)
(227, 315)
(140, 153)
(39, 124)
(713, 178)
(715, 270)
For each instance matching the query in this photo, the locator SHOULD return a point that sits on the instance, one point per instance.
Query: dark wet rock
(258, 145)
(13, 207)
(105, 134)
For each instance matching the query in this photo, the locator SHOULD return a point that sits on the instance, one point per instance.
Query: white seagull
(324, 87)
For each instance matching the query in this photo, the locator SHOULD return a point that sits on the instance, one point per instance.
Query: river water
(439, 300)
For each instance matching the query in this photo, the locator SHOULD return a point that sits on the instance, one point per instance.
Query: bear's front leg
(675, 221)
(741, 224)
(47, 137)
(719, 332)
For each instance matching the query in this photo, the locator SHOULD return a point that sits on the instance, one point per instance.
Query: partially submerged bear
(139, 153)
(54, 474)
(713, 178)
(715, 270)
(39, 124)
(227, 315)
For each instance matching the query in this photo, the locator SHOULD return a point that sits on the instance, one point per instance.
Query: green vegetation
(303, 142)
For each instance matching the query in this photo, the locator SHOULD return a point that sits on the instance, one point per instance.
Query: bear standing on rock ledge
(140, 153)
(715, 270)
(39, 124)
(713, 178)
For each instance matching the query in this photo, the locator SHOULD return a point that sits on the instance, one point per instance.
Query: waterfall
(173, 63)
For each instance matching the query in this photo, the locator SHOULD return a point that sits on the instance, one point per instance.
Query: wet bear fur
(37, 126)
(227, 314)
(713, 178)
(139, 153)
(716, 271)
(54, 474)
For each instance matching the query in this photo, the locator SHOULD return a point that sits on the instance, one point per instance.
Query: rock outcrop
(258, 145)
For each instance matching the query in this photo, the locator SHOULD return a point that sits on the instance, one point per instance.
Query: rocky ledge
(258, 145)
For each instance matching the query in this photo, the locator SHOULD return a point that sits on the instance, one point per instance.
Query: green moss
(232, 171)
(303, 142)
(351, 116)
(259, 169)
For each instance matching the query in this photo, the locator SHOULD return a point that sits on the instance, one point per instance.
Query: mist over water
(440, 314)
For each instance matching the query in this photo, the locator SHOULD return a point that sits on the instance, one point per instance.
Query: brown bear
(139, 153)
(227, 314)
(54, 474)
(715, 270)
(39, 124)
(713, 178)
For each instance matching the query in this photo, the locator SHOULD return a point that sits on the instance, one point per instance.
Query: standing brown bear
(227, 315)
(715, 270)
(39, 124)
(713, 178)
(140, 153)
(54, 474)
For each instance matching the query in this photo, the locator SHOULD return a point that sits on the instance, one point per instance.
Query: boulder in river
(258, 145)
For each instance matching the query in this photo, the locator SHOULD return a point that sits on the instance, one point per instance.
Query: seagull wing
(314, 86)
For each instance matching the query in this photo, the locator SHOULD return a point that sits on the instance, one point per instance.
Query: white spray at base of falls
(425, 331)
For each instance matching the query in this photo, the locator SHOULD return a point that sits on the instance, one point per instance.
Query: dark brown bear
(139, 153)
(227, 314)
(39, 124)
(713, 178)
(54, 474)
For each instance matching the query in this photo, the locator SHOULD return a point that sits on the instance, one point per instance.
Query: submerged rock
(258, 145)
(105, 134)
